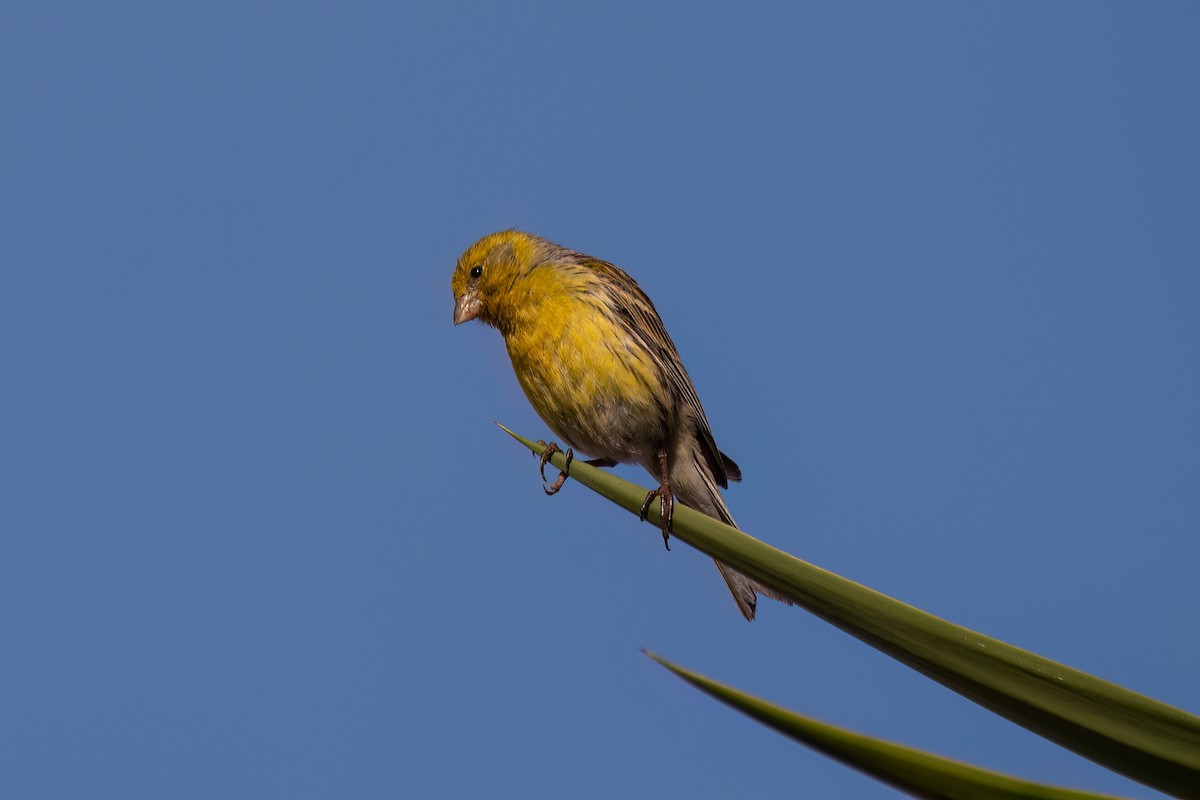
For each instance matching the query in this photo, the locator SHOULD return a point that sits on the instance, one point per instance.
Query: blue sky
(934, 269)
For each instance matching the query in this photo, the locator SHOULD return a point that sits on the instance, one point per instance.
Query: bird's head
(487, 272)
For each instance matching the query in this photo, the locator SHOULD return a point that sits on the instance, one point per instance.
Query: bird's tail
(693, 484)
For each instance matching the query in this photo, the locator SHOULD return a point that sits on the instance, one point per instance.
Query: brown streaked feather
(732, 471)
(640, 319)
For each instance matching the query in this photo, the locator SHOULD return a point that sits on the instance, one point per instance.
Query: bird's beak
(466, 307)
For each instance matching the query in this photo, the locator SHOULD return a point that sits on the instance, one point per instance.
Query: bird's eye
(476, 271)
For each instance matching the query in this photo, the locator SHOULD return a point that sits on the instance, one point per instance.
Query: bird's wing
(636, 313)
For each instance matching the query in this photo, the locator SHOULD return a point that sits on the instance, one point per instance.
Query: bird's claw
(550, 450)
(666, 511)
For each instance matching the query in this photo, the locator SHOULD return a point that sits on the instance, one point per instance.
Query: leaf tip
(656, 658)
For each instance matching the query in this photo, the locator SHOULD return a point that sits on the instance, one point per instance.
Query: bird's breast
(591, 381)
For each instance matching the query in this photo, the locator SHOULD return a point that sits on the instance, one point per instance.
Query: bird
(591, 353)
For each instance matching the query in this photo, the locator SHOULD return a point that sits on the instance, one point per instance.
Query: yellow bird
(594, 359)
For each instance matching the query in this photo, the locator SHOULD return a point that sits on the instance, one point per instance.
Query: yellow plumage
(592, 356)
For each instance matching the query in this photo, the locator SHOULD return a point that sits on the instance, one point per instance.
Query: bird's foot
(666, 510)
(550, 450)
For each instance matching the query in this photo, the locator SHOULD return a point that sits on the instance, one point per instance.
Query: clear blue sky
(934, 268)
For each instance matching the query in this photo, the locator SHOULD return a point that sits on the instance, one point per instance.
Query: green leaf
(1127, 732)
(914, 771)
